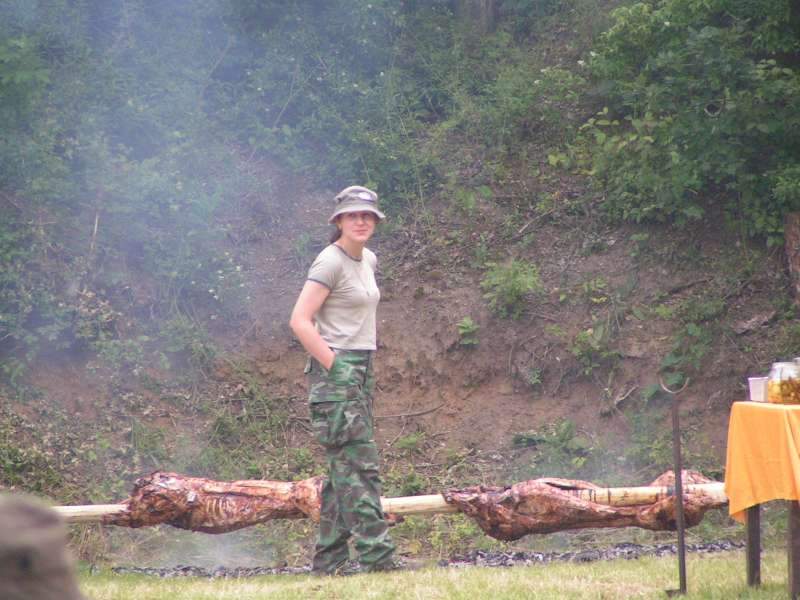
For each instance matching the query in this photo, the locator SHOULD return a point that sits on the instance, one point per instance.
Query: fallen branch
(685, 286)
(412, 414)
(397, 416)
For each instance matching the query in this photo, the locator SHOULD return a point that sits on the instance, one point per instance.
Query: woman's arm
(308, 303)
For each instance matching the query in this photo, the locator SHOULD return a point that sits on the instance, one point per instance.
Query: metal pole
(793, 547)
(680, 521)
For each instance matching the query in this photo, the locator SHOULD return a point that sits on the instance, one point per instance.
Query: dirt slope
(541, 395)
(524, 375)
(594, 275)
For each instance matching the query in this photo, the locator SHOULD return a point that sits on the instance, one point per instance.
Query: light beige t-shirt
(346, 319)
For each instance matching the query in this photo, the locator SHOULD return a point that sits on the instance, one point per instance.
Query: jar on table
(783, 386)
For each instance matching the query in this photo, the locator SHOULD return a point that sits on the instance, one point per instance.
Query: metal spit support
(678, 470)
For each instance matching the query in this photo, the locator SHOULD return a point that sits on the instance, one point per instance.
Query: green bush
(508, 285)
(499, 95)
(411, 443)
(560, 450)
(309, 92)
(525, 99)
(29, 463)
(107, 176)
(592, 348)
(406, 483)
(693, 339)
(467, 332)
(701, 101)
(30, 159)
(122, 355)
(182, 334)
(126, 146)
(689, 346)
(533, 376)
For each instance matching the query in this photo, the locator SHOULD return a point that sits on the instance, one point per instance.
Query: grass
(709, 576)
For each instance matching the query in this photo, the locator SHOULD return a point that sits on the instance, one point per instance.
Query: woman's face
(357, 226)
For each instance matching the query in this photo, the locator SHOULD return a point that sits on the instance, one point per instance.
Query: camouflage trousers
(341, 417)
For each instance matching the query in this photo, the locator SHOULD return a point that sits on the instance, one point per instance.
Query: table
(763, 464)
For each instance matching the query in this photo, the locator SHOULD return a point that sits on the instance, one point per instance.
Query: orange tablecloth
(763, 461)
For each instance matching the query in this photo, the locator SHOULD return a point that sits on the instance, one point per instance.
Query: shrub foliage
(131, 127)
(702, 107)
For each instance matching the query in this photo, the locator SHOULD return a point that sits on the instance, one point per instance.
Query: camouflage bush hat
(356, 199)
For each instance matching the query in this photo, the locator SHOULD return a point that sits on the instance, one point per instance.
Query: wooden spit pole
(435, 503)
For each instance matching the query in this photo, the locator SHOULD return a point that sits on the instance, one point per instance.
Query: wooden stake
(754, 545)
(793, 547)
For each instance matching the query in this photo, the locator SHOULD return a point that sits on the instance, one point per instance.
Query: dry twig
(412, 414)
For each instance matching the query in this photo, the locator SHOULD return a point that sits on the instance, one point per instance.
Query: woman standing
(334, 319)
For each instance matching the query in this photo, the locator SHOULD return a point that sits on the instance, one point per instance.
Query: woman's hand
(342, 372)
(308, 304)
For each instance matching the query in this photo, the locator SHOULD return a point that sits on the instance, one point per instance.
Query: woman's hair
(335, 234)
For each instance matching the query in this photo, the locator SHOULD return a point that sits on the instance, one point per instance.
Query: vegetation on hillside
(701, 107)
(133, 138)
(125, 127)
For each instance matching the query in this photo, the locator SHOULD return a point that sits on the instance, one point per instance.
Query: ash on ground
(627, 551)
(232, 572)
(473, 558)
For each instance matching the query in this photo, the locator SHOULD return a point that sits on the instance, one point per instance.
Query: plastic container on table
(758, 388)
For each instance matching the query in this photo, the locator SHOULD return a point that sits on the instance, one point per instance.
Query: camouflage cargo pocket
(340, 423)
(344, 380)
